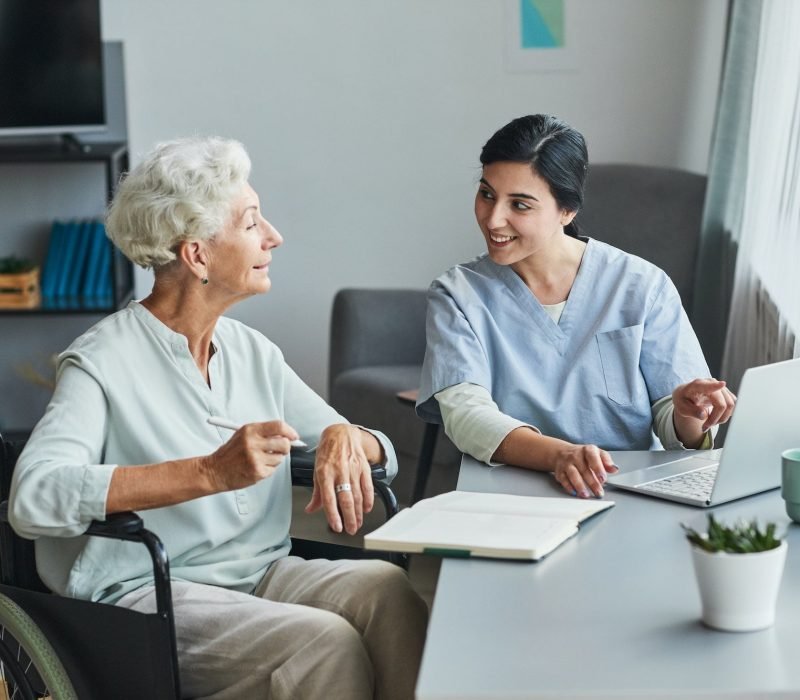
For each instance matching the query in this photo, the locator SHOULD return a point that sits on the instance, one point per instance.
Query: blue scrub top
(623, 341)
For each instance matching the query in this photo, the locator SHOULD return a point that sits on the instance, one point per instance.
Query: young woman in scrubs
(553, 347)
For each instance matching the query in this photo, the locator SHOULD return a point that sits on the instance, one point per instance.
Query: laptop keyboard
(695, 484)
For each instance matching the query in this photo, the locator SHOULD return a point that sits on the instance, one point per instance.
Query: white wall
(364, 120)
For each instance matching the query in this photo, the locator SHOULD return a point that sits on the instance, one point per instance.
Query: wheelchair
(58, 648)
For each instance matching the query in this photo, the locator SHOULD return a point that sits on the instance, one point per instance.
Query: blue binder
(52, 262)
(97, 242)
(79, 260)
(66, 262)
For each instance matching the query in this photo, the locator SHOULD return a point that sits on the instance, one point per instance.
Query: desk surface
(612, 614)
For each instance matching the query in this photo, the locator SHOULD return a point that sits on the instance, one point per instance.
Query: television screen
(51, 67)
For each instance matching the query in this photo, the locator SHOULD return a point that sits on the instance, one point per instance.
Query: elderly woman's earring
(204, 280)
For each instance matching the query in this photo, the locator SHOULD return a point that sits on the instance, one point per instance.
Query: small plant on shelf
(742, 538)
(12, 265)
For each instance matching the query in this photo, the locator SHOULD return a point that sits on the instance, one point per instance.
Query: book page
(471, 502)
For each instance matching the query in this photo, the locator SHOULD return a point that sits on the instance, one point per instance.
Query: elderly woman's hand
(252, 454)
(342, 478)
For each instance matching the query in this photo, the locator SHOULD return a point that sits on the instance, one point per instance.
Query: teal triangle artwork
(542, 24)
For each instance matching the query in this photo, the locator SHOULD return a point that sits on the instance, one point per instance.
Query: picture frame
(539, 37)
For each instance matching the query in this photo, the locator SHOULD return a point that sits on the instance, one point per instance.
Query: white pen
(230, 425)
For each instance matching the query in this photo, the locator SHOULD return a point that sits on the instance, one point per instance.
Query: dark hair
(554, 150)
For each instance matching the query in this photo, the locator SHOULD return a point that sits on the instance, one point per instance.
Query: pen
(230, 425)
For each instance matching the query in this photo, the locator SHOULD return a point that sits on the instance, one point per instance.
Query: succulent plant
(13, 265)
(742, 538)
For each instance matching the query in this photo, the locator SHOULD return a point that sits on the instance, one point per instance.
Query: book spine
(52, 263)
(78, 268)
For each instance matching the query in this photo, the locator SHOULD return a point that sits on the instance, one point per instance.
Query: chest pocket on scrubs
(619, 355)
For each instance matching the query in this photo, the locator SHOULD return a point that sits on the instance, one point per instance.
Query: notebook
(496, 525)
(765, 422)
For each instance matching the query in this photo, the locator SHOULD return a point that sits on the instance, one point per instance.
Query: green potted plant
(738, 570)
(12, 265)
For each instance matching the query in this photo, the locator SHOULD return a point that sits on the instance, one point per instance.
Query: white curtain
(764, 323)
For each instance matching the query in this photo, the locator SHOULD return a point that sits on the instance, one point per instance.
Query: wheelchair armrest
(302, 466)
(117, 525)
(130, 527)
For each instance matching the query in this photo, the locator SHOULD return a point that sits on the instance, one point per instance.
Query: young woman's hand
(698, 406)
(706, 400)
(582, 469)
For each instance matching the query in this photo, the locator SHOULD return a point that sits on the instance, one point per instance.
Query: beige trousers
(312, 629)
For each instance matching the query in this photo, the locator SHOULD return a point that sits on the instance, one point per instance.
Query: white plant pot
(738, 592)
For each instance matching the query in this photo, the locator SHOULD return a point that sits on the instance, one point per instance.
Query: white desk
(612, 614)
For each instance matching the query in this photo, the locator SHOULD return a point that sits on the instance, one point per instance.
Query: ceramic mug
(790, 482)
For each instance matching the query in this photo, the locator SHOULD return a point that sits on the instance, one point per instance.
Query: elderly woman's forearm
(157, 485)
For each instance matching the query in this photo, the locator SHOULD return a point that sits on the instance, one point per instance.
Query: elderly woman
(127, 429)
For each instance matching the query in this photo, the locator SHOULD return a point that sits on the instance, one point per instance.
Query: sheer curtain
(764, 322)
(727, 176)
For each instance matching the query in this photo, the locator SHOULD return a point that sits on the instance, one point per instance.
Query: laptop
(765, 422)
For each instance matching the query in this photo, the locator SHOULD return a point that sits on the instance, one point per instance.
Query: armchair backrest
(655, 213)
(376, 327)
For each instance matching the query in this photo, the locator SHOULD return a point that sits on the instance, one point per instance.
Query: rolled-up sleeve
(59, 485)
(473, 421)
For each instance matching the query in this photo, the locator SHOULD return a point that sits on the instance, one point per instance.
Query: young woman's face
(516, 212)
(240, 253)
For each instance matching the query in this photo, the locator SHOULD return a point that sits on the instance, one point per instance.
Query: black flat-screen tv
(51, 67)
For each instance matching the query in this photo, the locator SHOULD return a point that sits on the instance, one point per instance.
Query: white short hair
(181, 190)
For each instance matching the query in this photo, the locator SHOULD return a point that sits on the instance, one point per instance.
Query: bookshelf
(55, 178)
(114, 157)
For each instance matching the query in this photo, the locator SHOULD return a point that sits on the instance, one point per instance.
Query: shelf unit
(114, 157)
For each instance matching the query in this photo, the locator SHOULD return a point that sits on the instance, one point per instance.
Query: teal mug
(790, 482)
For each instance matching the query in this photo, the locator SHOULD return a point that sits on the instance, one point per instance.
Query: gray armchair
(655, 213)
(376, 351)
(378, 335)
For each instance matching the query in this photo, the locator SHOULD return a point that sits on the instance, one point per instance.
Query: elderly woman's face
(241, 252)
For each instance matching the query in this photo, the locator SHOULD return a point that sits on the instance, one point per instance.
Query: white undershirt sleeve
(664, 427)
(474, 422)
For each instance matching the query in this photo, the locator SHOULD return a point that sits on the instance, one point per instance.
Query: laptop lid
(765, 422)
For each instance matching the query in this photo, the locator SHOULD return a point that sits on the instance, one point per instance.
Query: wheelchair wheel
(29, 667)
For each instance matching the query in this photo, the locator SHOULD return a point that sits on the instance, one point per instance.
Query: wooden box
(20, 290)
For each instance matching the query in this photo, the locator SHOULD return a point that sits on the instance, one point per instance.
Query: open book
(502, 526)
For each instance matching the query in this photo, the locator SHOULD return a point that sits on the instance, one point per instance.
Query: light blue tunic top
(129, 392)
(622, 342)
